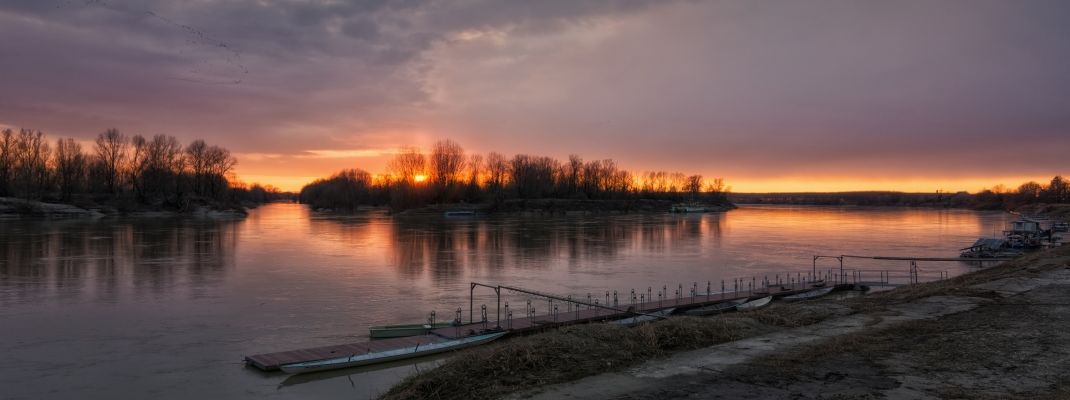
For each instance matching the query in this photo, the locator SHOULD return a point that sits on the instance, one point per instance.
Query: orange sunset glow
(792, 100)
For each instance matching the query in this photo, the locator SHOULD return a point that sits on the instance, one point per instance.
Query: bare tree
(70, 164)
(497, 174)
(446, 165)
(7, 161)
(694, 186)
(197, 160)
(111, 152)
(574, 169)
(219, 165)
(32, 155)
(408, 164)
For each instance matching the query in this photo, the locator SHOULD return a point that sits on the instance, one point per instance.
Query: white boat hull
(755, 304)
(357, 360)
(813, 294)
(633, 321)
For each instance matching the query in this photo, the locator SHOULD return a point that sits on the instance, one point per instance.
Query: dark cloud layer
(745, 89)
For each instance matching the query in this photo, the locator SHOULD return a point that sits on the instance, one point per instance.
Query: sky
(770, 95)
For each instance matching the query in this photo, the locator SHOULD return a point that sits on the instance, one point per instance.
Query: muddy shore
(1003, 332)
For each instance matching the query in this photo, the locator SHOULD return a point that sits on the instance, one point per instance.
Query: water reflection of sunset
(286, 277)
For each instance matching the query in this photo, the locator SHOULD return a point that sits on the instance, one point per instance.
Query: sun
(419, 178)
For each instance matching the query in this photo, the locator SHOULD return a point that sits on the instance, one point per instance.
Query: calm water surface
(165, 309)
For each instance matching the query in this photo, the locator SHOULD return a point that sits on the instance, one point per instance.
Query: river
(166, 308)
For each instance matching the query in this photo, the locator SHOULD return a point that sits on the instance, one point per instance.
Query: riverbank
(1055, 211)
(20, 208)
(999, 332)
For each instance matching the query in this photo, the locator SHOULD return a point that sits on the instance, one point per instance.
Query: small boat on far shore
(460, 213)
(688, 208)
(755, 304)
(813, 294)
(377, 357)
(392, 331)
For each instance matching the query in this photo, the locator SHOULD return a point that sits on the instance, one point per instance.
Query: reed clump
(566, 354)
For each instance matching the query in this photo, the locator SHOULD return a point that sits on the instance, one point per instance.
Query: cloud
(747, 89)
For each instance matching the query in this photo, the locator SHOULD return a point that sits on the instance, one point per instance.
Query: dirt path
(1009, 339)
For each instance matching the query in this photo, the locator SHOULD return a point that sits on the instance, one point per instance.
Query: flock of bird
(229, 68)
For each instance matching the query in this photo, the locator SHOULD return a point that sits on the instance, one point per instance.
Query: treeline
(449, 175)
(120, 170)
(999, 197)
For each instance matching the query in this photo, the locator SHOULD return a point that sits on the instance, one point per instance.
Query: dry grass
(564, 355)
(793, 315)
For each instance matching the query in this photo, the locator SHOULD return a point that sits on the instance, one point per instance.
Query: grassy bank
(575, 352)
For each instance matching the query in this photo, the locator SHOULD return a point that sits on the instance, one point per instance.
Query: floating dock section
(570, 312)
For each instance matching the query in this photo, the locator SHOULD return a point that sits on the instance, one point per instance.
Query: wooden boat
(716, 308)
(460, 213)
(755, 304)
(813, 294)
(391, 331)
(370, 358)
(688, 208)
(639, 319)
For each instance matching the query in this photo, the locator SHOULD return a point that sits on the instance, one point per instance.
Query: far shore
(20, 208)
(537, 207)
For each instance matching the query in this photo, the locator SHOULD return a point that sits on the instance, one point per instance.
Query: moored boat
(813, 294)
(377, 357)
(755, 304)
(639, 319)
(460, 213)
(716, 308)
(392, 331)
(688, 208)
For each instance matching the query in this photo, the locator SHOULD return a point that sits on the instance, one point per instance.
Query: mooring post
(483, 315)
(457, 326)
(471, 302)
(841, 268)
(815, 267)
